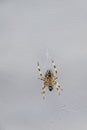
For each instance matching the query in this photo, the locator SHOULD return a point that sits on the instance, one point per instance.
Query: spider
(49, 79)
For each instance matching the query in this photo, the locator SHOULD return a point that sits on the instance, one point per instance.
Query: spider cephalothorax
(49, 79)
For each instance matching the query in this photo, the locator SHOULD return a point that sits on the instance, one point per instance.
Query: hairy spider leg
(39, 70)
(43, 91)
(58, 87)
(55, 68)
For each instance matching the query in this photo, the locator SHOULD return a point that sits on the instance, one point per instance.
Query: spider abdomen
(50, 88)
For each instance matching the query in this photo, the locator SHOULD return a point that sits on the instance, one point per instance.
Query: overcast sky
(40, 30)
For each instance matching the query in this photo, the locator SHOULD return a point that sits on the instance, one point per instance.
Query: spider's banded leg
(39, 70)
(55, 68)
(58, 88)
(43, 91)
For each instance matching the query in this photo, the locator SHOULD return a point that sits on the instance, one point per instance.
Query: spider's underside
(49, 79)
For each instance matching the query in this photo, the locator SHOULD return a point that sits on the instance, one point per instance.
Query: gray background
(38, 30)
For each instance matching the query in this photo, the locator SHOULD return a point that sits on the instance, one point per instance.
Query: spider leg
(55, 68)
(43, 91)
(40, 73)
(58, 87)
